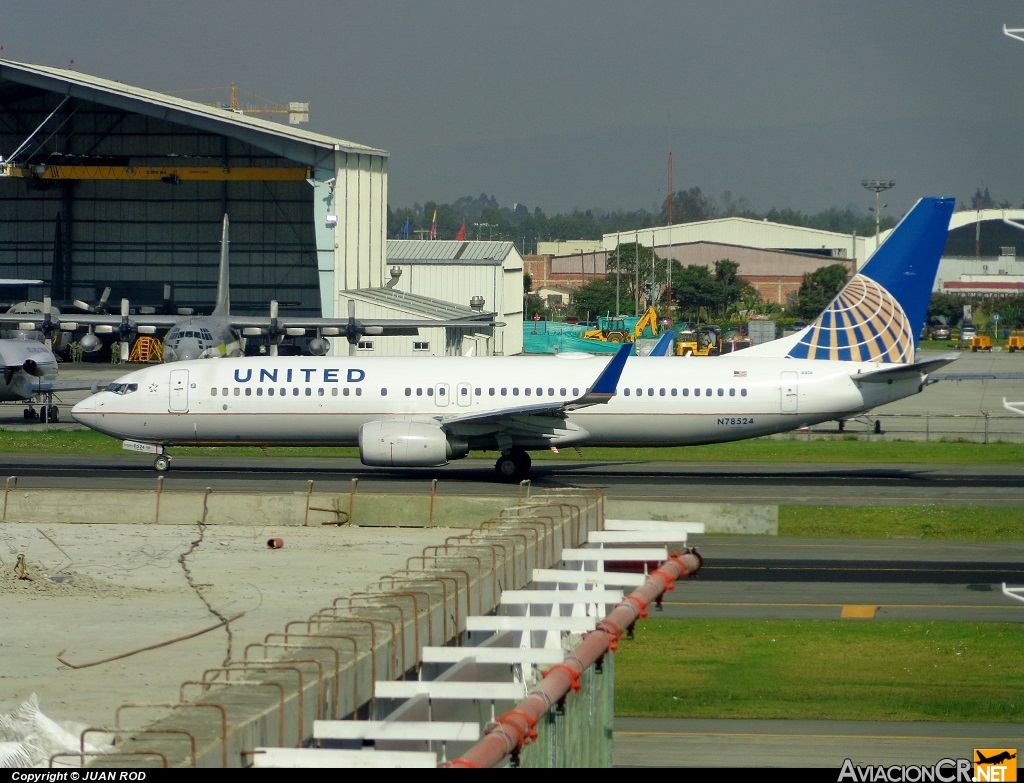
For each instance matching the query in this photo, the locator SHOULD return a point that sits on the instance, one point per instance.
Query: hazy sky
(570, 104)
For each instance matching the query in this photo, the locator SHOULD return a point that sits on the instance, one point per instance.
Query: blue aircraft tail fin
(878, 315)
(664, 345)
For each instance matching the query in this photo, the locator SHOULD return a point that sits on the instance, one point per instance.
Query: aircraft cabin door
(464, 394)
(441, 395)
(789, 391)
(178, 402)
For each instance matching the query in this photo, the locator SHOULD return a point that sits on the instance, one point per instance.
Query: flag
(405, 229)
(462, 234)
(433, 226)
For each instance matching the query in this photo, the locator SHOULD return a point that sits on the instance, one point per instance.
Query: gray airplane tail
(223, 304)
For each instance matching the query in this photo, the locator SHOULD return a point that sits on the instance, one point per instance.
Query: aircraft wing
(543, 414)
(94, 386)
(330, 327)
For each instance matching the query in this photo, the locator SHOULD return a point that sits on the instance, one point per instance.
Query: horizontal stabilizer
(897, 372)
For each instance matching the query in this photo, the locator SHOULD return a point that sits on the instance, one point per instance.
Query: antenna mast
(668, 209)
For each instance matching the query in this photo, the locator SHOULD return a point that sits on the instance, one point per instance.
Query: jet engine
(408, 444)
(32, 368)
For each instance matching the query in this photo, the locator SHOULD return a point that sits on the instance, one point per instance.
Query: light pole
(878, 185)
(618, 267)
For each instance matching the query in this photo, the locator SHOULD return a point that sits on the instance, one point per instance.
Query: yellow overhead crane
(169, 174)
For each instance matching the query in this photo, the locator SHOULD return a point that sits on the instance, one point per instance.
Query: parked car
(967, 333)
(940, 333)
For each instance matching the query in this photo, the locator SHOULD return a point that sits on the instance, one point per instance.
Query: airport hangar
(105, 184)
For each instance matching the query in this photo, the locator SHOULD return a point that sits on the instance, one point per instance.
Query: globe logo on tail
(864, 323)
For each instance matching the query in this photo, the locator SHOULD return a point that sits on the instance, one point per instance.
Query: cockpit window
(122, 388)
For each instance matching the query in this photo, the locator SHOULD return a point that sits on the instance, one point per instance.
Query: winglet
(663, 345)
(607, 382)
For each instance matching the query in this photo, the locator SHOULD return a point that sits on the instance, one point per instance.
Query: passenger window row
(697, 392)
(493, 391)
(271, 391)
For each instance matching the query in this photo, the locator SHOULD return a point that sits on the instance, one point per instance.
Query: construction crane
(297, 112)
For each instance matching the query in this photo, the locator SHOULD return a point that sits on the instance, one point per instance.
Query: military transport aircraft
(222, 334)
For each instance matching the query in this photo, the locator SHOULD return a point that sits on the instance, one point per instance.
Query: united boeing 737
(425, 412)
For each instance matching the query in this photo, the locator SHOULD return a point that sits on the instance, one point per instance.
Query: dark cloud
(578, 103)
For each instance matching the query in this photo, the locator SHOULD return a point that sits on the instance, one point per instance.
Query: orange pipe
(516, 727)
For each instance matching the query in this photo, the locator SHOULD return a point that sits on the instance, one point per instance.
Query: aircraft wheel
(29, 413)
(162, 463)
(513, 465)
(53, 414)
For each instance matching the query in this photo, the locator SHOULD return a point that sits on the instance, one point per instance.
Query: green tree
(819, 288)
(731, 287)
(694, 290)
(949, 306)
(594, 299)
(640, 275)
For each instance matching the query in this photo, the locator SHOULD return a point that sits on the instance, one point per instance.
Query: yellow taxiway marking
(858, 612)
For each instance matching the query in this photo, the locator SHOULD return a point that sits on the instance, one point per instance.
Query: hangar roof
(447, 251)
(415, 304)
(24, 76)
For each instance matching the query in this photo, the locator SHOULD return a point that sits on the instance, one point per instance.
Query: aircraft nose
(83, 411)
(188, 351)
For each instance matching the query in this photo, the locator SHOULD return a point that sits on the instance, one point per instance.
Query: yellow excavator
(624, 328)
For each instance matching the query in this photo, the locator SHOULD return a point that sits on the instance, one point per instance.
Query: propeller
(49, 324)
(275, 334)
(125, 331)
(99, 307)
(354, 329)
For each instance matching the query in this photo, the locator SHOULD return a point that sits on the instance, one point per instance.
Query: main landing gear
(162, 463)
(47, 414)
(513, 465)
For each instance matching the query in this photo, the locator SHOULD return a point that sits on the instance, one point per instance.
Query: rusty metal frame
(206, 684)
(186, 705)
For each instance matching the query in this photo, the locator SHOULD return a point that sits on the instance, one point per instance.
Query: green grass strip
(915, 523)
(834, 670)
(795, 449)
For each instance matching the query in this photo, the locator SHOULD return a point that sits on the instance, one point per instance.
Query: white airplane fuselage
(660, 401)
